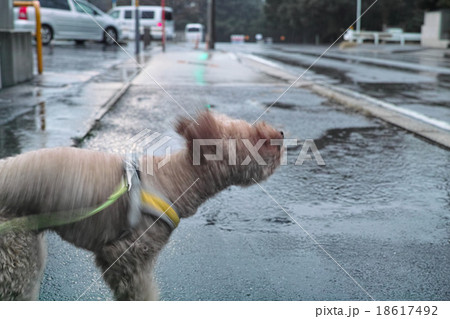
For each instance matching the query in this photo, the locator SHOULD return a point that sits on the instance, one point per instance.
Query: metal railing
(377, 37)
(37, 10)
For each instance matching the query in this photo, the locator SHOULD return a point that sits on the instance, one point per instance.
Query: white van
(150, 16)
(194, 32)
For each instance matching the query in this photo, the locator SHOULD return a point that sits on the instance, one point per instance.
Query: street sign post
(358, 16)
(137, 33)
(211, 24)
(163, 37)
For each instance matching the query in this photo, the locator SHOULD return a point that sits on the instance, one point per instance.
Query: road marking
(431, 129)
(419, 116)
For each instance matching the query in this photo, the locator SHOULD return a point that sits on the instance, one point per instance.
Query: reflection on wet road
(52, 108)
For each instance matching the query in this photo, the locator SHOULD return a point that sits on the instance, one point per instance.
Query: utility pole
(163, 36)
(358, 16)
(137, 33)
(211, 24)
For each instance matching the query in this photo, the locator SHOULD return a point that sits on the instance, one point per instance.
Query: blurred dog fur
(65, 179)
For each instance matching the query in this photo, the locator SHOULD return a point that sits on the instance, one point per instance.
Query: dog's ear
(204, 127)
(182, 126)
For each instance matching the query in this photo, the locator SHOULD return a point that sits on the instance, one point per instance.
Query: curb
(364, 104)
(106, 107)
(377, 108)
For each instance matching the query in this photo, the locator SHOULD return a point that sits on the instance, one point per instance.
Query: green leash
(35, 222)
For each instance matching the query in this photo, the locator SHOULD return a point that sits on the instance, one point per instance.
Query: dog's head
(231, 149)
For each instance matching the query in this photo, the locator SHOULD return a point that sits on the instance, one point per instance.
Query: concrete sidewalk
(59, 107)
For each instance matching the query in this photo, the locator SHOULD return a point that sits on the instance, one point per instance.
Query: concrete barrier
(16, 57)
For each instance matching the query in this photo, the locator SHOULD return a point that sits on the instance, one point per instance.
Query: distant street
(409, 76)
(379, 207)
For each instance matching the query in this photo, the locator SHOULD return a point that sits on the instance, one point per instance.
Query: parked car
(151, 16)
(68, 20)
(194, 32)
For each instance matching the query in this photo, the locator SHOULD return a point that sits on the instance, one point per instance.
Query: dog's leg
(41, 262)
(131, 276)
(22, 262)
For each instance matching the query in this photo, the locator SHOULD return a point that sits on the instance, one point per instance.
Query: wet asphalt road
(380, 206)
(408, 76)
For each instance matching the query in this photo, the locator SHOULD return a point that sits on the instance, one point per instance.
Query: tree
(238, 17)
(324, 20)
(434, 4)
(308, 20)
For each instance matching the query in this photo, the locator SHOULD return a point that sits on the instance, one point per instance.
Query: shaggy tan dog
(64, 180)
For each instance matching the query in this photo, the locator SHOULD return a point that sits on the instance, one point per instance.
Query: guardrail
(376, 37)
(37, 10)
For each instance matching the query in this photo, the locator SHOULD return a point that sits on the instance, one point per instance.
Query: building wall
(436, 29)
(16, 57)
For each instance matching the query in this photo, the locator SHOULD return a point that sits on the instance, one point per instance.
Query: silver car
(68, 20)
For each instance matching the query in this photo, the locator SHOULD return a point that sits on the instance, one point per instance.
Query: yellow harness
(164, 210)
(144, 201)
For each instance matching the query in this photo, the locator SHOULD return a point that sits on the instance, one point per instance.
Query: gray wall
(16, 57)
(6, 14)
